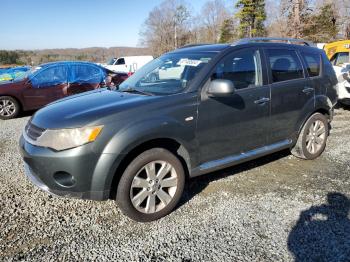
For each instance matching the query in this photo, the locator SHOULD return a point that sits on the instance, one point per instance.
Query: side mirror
(27, 83)
(221, 87)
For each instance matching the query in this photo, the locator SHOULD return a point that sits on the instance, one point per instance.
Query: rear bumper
(90, 172)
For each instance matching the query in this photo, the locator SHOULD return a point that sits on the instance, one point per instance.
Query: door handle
(307, 90)
(262, 101)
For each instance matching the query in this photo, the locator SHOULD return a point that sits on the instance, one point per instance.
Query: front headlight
(62, 139)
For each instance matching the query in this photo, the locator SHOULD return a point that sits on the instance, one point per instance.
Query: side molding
(239, 158)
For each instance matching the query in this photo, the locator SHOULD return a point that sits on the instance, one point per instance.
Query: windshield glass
(168, 74)
(111, 62)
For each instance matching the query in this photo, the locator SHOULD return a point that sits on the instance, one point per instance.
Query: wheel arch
(15, 98)
(322, 110)
(319, 104)
(171, 144)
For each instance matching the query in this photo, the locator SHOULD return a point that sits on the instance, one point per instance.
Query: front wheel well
(167, 143)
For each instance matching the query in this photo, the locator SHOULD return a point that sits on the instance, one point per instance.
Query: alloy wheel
(7, 108)
(315, 137)
(153, 187)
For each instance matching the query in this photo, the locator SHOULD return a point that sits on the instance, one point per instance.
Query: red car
(47, 83)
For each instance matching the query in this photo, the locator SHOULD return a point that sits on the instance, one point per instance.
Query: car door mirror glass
(221, 87)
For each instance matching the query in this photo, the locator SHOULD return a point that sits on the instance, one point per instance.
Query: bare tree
(212, 17)
(296, 12)
(276, 22)
(167, 27)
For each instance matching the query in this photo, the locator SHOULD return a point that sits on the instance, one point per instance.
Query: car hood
(87, 108)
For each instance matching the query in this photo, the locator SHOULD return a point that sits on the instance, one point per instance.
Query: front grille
(33, 131)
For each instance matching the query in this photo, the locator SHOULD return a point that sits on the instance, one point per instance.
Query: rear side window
(243, 68)
(285, 65)
(85, 74)
(313, 63)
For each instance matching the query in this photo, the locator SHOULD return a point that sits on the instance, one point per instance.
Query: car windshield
(111, 62)
(168, 74)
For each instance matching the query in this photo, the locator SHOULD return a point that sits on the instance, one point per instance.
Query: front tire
(312, 138)
(151, 186)
(9, 107)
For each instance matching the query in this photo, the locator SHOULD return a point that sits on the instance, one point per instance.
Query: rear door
(292, 93)
(312, 62)
(47, 85)
(84, 77)
(238, 123)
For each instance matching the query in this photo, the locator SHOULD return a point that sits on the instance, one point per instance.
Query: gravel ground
(277, 208)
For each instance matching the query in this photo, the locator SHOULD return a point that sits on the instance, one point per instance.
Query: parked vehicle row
(187, 113)
(49, 82)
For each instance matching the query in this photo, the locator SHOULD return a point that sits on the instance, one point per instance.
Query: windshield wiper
(135, 91)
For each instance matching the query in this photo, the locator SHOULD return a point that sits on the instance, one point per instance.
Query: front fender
(135, 134)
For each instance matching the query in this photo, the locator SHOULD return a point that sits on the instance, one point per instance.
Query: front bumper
(91, 173)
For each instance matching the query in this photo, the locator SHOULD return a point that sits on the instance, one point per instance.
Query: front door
(47, 85)
(237, 123)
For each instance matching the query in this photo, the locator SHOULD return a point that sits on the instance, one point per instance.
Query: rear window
(313, 63)
(285, 65)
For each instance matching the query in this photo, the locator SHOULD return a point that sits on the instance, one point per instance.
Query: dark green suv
(189, 112)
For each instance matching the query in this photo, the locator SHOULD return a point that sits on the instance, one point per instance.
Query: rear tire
(9, 107)
(312, 138)
(151, 186)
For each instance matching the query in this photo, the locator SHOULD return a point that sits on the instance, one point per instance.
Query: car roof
(69, 63)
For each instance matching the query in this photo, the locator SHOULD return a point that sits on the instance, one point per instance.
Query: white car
(127, 64)
(343, 75)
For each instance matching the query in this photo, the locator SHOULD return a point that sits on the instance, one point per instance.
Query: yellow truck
(338, 52)
(339, 55)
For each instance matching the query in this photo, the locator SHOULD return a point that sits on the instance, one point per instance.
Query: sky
(44, 24)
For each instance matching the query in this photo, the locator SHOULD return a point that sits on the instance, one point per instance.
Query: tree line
(173, 23)
(93, 54)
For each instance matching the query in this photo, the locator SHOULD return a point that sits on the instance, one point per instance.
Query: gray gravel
(277, 208)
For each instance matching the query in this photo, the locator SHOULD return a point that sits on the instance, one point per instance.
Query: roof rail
(192, 45)
(273, 39)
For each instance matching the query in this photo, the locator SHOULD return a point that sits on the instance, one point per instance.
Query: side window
(120, 61)
(342, 58)
(313, 63)
(243, 68)
(285, 65)
(51, 76)
(85, 74)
